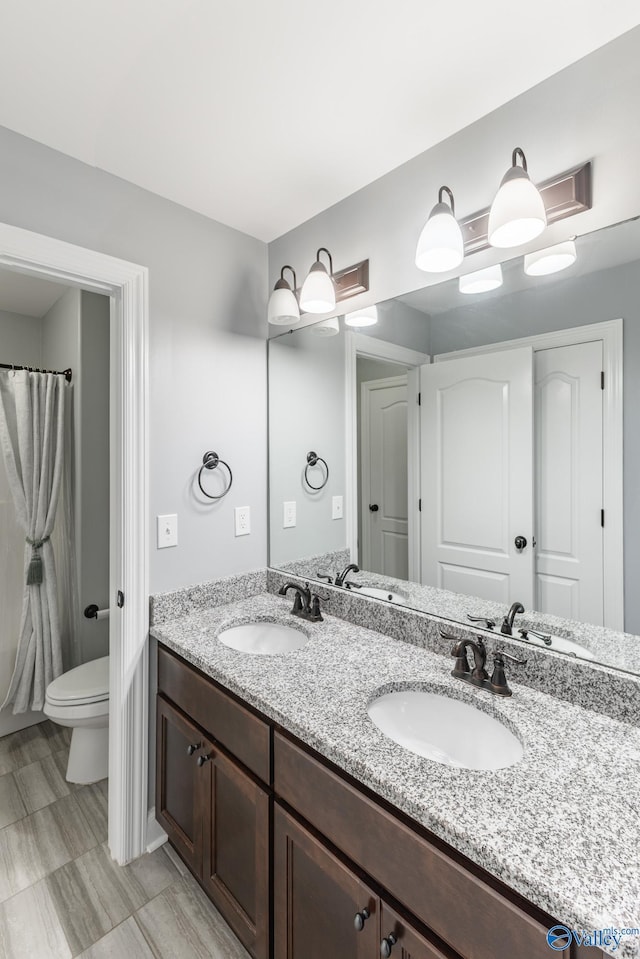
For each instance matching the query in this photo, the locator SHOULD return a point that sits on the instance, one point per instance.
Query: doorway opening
(126, 286)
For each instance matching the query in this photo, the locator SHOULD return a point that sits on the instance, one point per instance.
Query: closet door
(569, 489)
(477, 475)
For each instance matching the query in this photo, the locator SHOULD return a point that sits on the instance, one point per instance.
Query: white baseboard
(156, 836)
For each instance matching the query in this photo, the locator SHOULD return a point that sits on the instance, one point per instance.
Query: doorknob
(520, 542)
(374, 507)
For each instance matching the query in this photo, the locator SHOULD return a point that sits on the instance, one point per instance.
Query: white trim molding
(127, 285)
(610, 334)
(357, 344)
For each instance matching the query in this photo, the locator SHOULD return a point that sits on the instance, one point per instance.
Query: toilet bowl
(79, 699)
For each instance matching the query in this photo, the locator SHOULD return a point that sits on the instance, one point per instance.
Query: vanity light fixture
(368, 316)
(326, 327)
(518, 213)
(440, 245)
(318, 294)
(283, 309)
(551, 260)
(482, 281)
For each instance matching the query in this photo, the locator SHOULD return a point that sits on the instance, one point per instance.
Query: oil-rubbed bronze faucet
(507, 622)
(306, 604)
(478, 676)
(340, 578)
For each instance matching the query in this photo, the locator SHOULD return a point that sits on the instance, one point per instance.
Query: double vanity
(338, 792)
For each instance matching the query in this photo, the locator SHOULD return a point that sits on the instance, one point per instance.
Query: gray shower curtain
(32, 441)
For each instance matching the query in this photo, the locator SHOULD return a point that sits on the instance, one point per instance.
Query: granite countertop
(560, 827)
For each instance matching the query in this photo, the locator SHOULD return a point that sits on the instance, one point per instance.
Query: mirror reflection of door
(383, 481)
(495, 439)
(384, 477)
(477, 475)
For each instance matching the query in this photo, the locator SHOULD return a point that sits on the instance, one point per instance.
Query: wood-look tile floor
(61, 894)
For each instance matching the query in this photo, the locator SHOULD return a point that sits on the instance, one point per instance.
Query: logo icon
(559, 938)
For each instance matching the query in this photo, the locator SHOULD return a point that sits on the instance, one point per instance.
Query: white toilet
(80, 699)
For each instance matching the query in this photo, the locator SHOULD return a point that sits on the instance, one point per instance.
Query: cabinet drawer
(459, 907)
(233, 726)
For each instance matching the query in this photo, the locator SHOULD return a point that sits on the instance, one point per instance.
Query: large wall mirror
(473, 451)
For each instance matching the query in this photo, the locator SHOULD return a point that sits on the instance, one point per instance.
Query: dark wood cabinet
(316, 900)
(403, 939)
(179, 786)
(216, 814)
(246, 804)
(235, 863)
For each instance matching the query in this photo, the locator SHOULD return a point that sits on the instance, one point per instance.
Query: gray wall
(306, 412)
(586, 112)
(207, 369)
(20, 339)
(606, 295)
(75, 333)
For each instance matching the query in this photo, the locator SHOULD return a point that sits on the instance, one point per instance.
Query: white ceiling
(261, 115)
(28, 295)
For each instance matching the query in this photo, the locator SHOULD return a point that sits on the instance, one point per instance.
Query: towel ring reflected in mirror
(312, 460)
(211, 461)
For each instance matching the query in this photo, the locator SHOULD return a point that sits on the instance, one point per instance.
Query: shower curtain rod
(36, 369)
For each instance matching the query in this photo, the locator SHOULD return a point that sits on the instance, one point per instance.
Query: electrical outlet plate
(167, 530)
(242, 520)
(288, 514)
(336, 507)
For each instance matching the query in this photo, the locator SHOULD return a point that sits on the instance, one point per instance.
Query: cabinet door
(401, 941)
(179, 793)
(235, 869)
(316, 900)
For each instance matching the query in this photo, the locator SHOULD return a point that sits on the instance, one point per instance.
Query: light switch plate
(167, 530)
(336, 507)
(289, 514)
(243, 520)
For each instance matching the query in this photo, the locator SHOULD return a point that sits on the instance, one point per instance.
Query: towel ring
(210, 461)
(312, 460)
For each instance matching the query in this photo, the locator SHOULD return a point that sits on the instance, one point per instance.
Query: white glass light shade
(283, 307)
(440, 246)
(326, 327)
(517, 214)
(365, 317)
(482, 281)
(551, 260)
(318, 294)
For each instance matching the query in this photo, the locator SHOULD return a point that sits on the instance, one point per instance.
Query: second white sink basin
(446, 730)
(263, 639)
(378, 593)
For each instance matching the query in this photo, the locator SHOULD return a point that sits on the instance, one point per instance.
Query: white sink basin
(445, 730)
(263, 639)
(378, 593)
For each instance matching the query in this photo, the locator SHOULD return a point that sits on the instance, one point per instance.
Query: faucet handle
(489, 623)
(498, 681)
(445, 635)
(324, 574)
(501, 654)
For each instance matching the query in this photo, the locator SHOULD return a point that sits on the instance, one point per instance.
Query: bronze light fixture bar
(563, 195)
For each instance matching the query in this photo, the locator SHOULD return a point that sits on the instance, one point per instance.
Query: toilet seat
(83, 686)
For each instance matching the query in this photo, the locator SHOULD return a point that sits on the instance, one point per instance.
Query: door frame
(357, 344)
(610, 333)
(127, 286)
(365, 454)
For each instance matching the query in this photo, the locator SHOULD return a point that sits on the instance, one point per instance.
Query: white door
(569, 470)
(385, 547)
(477, 475)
